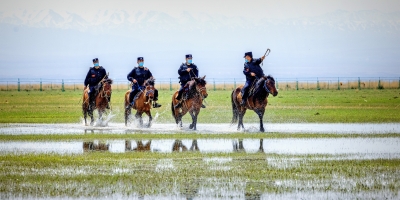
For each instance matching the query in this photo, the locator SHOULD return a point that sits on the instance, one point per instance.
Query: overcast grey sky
(278, 9)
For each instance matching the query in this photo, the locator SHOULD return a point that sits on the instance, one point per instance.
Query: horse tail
(235, 113)
(172, 109)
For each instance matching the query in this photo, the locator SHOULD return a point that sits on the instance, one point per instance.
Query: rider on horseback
(186, 71)
(253, 72)
(138, 76)
(94, 76)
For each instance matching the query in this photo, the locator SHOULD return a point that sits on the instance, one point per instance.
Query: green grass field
(321, 106)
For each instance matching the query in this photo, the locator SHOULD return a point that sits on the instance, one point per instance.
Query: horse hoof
(190, 126)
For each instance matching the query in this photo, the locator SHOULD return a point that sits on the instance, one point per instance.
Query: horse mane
(150, 81)
(260, 83)
(108, 80)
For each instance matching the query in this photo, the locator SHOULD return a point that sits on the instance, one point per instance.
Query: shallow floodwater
(120, 128)
(362, 147)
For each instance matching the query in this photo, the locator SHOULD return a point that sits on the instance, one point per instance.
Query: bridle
(265, 85)
(103, 93)
(148, 92)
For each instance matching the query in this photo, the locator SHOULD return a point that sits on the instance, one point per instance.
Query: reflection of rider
(186, 71)
(253, 71)
(138, 76)
(93, 78)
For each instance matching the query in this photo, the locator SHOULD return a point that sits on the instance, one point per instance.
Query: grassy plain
(95, 174)
(291, 106)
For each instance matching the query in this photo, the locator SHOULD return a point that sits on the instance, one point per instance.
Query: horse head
(107, 86)
(149, 88)
(201, 86)
(269, 85)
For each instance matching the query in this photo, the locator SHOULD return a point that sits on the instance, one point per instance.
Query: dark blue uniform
(93, 77)
(141, 75)
(185, 76)
(252, 66)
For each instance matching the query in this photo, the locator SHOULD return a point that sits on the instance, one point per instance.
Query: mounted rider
(138, 76)
(94, 76)
(186, 71)
(252, 71)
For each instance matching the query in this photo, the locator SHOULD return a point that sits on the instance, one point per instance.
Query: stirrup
(156, 105)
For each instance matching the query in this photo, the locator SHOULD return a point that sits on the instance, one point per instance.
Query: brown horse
(101, 100)
(195, 95)
(257, 100)
(144, 100)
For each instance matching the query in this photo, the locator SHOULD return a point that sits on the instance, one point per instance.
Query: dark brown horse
(101, 102)
(142, 104)
(192, 102)
(257, 100)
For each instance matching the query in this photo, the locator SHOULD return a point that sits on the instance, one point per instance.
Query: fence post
(214, 83)
(297, 84)
(40, 85)
(379, 83)
(7, 85)
(328, 84)
(19, 85)
(338, 84)
(170, 85)
(359, 84)
(276, 81)
(318, 88)
(62, 85)
(348, 84)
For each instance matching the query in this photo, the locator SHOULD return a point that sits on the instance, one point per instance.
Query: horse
(256, 101)
(143, 102)
(101, 101)
(195, 95)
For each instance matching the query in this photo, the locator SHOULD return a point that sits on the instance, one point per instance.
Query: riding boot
(244, 96)
(156, 105)
(203, 106)
(179, 98)
(131, 100)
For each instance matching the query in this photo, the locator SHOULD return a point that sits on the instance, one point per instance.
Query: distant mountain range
(341, 43)
(340, 20)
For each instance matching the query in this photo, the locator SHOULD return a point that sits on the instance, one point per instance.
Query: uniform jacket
(94, 76)
(185, 76)
(253, 66)
(139, 74)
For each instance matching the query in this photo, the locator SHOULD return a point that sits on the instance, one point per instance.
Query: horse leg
(90, 112)
(139, 117)
(194, 120)
(127, 114)
(240, 124)
(84, 109)
(150, 118)
(260, 114)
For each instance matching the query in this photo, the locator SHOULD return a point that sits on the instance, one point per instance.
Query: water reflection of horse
(192, 101)
(178, 146)
(257, 100)
(95, 146)
(144, 100)
(139, 146)
(238, 146)
(103, 94)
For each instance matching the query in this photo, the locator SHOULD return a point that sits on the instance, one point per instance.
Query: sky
(251, 8)
(33, 51)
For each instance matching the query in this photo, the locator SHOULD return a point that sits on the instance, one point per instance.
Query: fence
(326, 83)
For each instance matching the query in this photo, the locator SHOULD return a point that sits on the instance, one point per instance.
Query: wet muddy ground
(118, 128)
(371, 148)
(217, 168)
